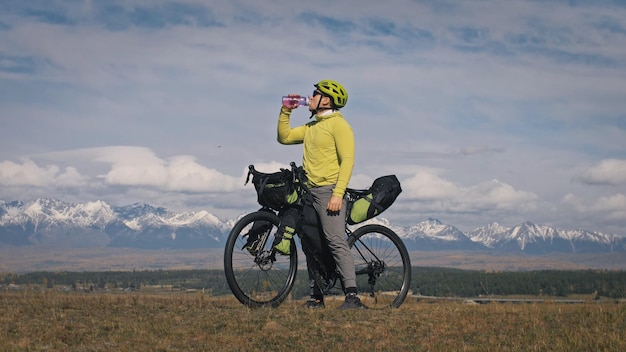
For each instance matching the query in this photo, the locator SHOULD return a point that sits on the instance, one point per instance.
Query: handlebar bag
(274, 190)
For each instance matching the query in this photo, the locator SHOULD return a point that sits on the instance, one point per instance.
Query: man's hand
(334, 204)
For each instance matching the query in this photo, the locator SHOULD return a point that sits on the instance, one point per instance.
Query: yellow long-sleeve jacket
(328, 148)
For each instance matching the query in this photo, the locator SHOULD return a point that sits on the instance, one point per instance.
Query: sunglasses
(316, 93)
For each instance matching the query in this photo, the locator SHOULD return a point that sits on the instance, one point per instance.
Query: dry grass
(55, 321)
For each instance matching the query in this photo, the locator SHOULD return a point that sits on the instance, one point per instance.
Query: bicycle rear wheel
(265, 278)
(383, 266)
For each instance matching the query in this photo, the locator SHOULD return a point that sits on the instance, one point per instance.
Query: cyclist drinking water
(328, 160)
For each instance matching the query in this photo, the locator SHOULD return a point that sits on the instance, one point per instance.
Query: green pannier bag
(366, 204)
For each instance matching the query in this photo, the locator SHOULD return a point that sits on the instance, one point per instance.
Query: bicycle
(265, 278)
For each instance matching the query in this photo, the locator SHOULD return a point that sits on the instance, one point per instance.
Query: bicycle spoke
(263, 279)
(382, 265)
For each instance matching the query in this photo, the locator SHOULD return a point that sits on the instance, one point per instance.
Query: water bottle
(289, 101)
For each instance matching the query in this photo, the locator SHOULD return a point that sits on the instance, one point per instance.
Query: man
(328, 161)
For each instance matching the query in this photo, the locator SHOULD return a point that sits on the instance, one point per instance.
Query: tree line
(427, 281)
(442, 282)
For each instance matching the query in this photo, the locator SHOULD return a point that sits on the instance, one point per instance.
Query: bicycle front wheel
(258, 277)
(383, 266)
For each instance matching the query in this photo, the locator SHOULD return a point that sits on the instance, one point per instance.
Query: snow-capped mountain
(539, 239)
(433, 235)
(488, 235)
(47, 213)
(98, 224)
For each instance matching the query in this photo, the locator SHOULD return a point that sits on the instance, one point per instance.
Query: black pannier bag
(319, 258)
(366, 204)
(275, 190)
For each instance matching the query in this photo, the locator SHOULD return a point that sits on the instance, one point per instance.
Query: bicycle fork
(264, 259)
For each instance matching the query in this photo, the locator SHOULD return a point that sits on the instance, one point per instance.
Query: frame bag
(375, 200)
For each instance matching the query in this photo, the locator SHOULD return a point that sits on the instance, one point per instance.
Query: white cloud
(71, 178)
(185, 174)
(127, 167)
(30, 174)
(427, 186)
(614, 207)
(609, 172)
(609, 208)
(575, 202)
(499, 195)
(131, 166)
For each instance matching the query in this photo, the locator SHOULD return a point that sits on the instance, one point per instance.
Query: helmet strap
(319, 108)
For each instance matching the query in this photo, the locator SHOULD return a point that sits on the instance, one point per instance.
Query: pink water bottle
(290, 101)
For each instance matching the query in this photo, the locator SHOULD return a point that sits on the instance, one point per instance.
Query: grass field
(68, 321)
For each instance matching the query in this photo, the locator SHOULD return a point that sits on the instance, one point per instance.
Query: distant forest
(439, 282)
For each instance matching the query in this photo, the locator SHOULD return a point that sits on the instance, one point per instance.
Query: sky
(487, 111)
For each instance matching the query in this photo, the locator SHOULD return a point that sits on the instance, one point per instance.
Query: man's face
(317, 99)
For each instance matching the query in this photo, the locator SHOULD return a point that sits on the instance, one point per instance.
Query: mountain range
(96, 224)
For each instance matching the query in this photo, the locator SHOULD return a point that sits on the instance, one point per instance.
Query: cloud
(611, 208)
(130, 166)
(479, 149)
(178, 174)
(616, 202)
(607, 172)
(499, 195)
(430, 188)
(127, 167)
(426, 185)
(27, 173)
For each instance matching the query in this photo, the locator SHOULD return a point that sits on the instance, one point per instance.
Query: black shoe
(352, 302)
(313, 303)
(252, 245)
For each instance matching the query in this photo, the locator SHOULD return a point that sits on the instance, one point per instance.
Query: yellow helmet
(335, 91)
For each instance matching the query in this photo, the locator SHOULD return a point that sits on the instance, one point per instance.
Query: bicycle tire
(382, 264)
(263, 279)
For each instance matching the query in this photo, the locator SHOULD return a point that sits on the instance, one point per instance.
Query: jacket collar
(326, 114)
